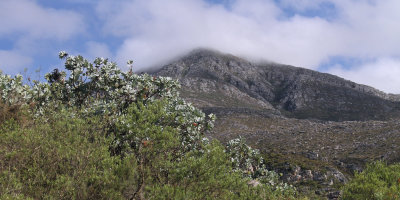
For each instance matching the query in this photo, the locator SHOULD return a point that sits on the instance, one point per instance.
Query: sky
(358, 40)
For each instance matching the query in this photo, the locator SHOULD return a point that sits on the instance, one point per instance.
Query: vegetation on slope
(95, 132)
(377, 181)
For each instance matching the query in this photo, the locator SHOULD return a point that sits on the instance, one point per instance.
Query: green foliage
(251, 164)
(64, 158)
(143, 127)
(96, 132)
(377, 181)
(166, 170)
(8, 112)
(101, 88)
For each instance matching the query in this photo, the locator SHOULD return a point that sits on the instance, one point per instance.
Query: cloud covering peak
(323, 35)
(299, 33)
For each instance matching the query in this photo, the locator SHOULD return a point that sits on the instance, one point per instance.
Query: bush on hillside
(100, 133)
(64, 158)
(377, 181)
(251, 164)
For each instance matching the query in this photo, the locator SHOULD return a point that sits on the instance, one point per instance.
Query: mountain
(314, 128)
(221, 82)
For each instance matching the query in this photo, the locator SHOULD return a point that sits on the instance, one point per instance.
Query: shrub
(100, 133)
(102, 89)
(64, 158)
(377, 181)
(165, 170)
(252, 165)
(8, 112)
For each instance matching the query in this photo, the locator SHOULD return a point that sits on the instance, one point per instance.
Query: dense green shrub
(377, 181)
(67, 157)
(8, 112)
(64, 158)
(167, 171)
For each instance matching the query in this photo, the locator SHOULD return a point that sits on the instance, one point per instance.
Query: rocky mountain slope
(214, 80)
(315, 128)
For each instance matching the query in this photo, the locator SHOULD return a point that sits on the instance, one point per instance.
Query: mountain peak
(204, 51)
(218, 81)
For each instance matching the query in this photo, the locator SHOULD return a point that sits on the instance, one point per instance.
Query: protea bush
(97, 132)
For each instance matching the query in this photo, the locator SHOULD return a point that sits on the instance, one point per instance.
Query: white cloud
(28, 18)
(370, 28)
(97, 49)
(260, 11)
(13, 62)
(31, 28)
(155, 31)
(383, 74)
(250, 28)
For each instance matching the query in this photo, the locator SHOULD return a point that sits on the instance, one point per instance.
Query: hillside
(217, 81)
(96, 132)
(316, 128)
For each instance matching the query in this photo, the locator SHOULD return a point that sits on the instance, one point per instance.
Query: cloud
(252, 29)
(32, 30)
(370, 28)
(13, 62)
(28, 18)
(383, 74)
(154, 31)
(97, 49)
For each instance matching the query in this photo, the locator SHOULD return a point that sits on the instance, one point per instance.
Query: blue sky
(355, 39)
